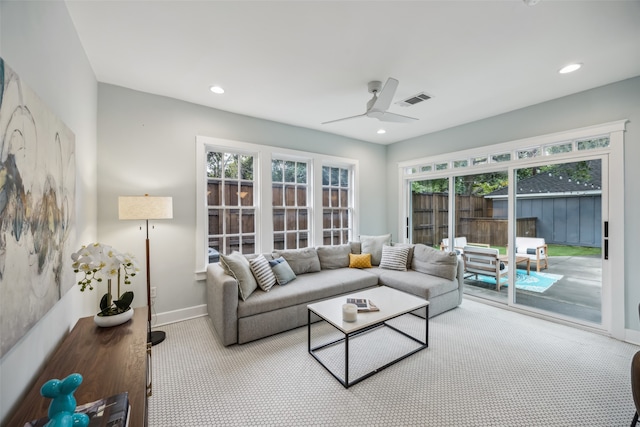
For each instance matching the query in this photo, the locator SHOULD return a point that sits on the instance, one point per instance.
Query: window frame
(263, 202)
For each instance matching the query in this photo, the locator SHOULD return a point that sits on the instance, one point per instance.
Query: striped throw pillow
(262, 272)
(394, 258)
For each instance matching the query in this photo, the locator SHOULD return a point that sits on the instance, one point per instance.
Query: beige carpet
(484, 367)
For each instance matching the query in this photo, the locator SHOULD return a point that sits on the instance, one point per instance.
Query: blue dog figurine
(63, 406)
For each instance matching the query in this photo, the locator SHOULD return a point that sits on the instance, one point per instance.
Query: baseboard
(178, 315)
(632, 336)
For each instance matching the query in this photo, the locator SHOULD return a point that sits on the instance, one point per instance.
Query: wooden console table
(110, 360)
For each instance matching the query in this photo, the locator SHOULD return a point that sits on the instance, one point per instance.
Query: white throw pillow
(394, 257)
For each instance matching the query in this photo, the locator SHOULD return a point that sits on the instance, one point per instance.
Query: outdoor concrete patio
(577, 294)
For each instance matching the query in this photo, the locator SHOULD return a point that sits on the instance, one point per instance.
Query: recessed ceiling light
(216, 89)
(569, 68)
(381, 131)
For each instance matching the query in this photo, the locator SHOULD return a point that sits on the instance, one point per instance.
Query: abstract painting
(37, 208)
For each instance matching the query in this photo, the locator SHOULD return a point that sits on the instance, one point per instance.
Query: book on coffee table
(363, 304)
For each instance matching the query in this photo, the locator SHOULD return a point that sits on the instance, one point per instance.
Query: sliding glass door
(559, 253)
(429, 206)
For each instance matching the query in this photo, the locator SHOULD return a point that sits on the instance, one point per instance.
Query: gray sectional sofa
(241, 314)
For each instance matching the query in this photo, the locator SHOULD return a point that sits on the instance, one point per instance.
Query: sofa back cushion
(332, 257)
(301, 261)
(432, 261)
(373, 245)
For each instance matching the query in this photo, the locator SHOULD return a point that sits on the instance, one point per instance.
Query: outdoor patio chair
(484, 261)
(459, 243)
(535, 248)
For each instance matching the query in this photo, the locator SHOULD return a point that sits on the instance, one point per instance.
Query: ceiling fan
(378, 105)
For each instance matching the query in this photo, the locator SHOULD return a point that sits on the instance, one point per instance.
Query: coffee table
(519, 259)
(392, 304)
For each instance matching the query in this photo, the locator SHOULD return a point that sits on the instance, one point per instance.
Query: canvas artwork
(37, 208)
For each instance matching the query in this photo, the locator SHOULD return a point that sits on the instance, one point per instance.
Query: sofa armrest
(222, 303)
(460, 279)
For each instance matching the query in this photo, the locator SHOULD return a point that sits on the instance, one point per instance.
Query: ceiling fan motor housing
(374, 86)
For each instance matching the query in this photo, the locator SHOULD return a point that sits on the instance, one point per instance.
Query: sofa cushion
(332, 257)
(282, 271)
(359, 260)
(237, 265)
(308, 288)
(301, 261)
(356, 247)
(262, 272)
(415, 283)
(432, 261)
(373, 245)
(394, 258)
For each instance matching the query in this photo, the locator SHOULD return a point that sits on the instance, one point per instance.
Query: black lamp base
(156, 337)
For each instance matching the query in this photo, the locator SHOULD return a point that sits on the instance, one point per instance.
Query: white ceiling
(306, 62)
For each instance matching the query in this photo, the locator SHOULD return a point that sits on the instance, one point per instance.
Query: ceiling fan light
(216, 89)
(569, 68)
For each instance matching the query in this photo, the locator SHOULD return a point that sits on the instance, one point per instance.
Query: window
(337, 208)
(256, 198)
(230, 203)
(289, 180)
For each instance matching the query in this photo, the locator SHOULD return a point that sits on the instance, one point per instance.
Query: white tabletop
(391, 303)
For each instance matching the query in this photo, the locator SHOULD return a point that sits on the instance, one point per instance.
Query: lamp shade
(145, 207)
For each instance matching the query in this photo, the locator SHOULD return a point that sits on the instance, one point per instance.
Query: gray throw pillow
(300, 260)
(373, 245)
(332, 257)
(283, 272)
(237, 265)
(432, 261)
(394, 258)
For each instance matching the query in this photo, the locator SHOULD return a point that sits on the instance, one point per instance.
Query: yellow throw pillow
(359, 260)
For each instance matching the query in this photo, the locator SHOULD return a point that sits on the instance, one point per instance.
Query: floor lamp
(145, 208)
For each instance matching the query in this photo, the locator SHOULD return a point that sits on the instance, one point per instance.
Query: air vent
(413, 100)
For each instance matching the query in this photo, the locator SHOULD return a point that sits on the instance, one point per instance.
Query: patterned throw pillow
(262, 271)
(359, 260)
(394, 257)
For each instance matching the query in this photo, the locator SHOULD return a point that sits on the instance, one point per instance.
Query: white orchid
(98, 261)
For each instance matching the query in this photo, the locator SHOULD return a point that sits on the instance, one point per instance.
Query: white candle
(349, 312)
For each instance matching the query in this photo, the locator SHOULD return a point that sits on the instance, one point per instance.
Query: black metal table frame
(346, 383)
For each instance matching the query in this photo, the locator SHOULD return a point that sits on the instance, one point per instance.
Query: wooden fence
(473, 218)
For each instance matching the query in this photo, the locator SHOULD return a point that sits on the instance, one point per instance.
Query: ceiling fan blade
(344, 118)
(385, 116)
(385, 97)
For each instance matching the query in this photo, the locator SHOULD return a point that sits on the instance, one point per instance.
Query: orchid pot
(98, 262)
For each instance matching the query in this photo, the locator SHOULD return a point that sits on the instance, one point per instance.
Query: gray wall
(613, 102)
(146, 144)
(39, 42)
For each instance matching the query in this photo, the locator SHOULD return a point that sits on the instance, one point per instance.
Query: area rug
(533, 282)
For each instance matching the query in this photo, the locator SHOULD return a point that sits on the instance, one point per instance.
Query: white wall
(609, 103)
(38, 40)
(146, 144)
